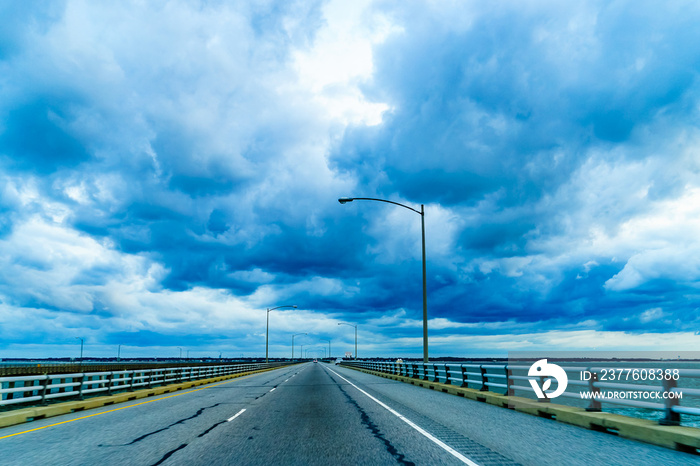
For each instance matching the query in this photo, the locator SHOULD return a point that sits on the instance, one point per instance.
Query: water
(688, 378)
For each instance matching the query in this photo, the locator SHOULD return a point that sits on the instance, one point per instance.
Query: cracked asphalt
(314, 414)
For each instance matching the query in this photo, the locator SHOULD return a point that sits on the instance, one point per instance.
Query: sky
(171, 169)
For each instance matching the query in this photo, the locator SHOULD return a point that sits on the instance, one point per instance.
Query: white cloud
(663, 241)
(50, 264)
(341, 60)
(577, 340)
(651, 315)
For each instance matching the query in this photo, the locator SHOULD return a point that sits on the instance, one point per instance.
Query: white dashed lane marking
(236, 415)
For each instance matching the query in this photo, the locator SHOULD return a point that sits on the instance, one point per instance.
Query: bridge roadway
(312, 414)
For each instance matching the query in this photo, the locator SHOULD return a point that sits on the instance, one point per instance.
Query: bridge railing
(40, 389)
(509, 379)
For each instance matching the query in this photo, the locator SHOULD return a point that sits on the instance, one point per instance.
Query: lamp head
(345, 200)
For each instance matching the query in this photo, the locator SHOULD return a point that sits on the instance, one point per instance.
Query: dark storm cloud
(36, 137)
(163, 164)
(487, 108)
(499, 116)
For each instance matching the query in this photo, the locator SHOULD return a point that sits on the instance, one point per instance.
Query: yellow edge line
(125, 407)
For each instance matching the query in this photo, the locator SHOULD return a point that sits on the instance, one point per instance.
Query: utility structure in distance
(267, 330)
(352, 325)
(296, 335)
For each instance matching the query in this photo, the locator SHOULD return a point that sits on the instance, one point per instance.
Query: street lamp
(352, 325)
(180, 352)
(345, 200)
(296, 334)
(329, 347)
(119, 353)
(81, 348)
(267, 330)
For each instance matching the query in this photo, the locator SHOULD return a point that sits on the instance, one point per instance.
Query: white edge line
(430, 437)
(235, 415)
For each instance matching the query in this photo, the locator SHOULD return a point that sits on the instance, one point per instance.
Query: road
(315, 414)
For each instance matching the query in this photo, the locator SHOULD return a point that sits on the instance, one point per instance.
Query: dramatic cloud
(169, 170)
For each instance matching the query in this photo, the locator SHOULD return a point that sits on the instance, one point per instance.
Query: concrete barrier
(686, 439)
(23, 415)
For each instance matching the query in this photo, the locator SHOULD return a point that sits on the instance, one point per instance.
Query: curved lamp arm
(345, 200)
(280, 307)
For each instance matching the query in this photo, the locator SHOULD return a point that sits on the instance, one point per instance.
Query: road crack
(211, 428)
(181, 421)
(376, 432)
(169, 454)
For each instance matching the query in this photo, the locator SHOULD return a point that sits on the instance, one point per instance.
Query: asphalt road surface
(315, 414)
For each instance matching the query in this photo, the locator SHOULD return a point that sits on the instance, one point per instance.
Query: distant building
(348, 354)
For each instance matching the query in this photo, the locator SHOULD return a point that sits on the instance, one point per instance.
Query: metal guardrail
(487, 377)
(35, 389)
(39, 367)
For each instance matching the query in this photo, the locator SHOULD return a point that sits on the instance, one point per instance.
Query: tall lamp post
(352, 325)
(345, 200)
(329, 347)
(295, 335)
(267, 330)
(81, 348)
